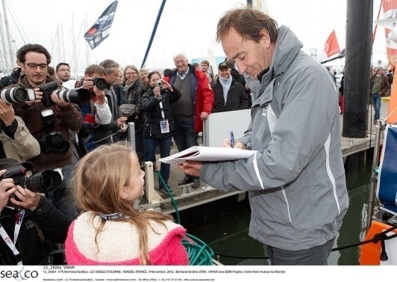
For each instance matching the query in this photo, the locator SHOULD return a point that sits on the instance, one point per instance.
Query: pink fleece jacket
(118, 243)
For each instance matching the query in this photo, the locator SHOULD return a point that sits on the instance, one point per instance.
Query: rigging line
(79, 36)
(17, 23)
(110, 135)
(386, 237)
(153, 32)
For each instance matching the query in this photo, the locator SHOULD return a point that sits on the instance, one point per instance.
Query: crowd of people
(66, 120)
(76, 130)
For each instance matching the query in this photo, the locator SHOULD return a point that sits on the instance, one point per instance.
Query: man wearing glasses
(50, 125)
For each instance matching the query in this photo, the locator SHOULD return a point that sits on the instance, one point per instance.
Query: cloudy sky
(186, 26)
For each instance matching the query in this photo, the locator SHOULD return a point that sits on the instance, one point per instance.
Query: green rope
(199, 252)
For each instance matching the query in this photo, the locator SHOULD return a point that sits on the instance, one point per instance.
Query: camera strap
(7, 239)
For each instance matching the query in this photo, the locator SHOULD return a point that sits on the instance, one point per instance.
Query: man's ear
(265, 38)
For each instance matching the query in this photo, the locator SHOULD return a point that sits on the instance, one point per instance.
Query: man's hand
(7, 114)
(204, 116)
(100, 94)
(238, 145)
(26, 198)
(58, 101)
(7, 188)
(38, 96)
(191, 167)
(122, 123)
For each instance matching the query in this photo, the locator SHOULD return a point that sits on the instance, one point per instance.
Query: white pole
(87, 51)
(11, 53)
(76, 69)
(6, 66)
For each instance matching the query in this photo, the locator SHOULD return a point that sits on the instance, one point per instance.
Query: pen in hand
(232, 142)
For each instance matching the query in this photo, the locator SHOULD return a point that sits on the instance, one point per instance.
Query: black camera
(41, 182)
(16, 95)
(76, 95)
(53, 142)
(100, 83)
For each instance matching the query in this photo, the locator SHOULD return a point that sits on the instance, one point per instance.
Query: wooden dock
(186, 197)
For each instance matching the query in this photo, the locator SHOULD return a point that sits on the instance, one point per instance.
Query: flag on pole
(331, 46)
(101, 29)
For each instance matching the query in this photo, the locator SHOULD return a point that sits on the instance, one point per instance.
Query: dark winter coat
(153, 116)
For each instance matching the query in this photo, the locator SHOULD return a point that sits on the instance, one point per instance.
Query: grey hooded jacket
(296, 179)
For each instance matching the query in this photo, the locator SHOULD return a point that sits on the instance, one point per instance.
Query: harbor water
(228, 236)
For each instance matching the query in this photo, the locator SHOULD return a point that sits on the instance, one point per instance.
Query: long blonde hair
(97, 180)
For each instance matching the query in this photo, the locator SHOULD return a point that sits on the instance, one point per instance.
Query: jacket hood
(287, 48)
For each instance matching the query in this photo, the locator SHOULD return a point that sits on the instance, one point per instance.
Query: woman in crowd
(159, 126)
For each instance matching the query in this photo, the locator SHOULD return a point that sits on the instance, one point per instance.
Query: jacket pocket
(151, 130)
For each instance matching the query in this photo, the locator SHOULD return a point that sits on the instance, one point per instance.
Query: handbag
(128, 110)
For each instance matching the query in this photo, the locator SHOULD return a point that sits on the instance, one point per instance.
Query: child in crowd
(107, 182)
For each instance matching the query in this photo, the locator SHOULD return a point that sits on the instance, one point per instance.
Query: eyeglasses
(128, 73)
(34, 66)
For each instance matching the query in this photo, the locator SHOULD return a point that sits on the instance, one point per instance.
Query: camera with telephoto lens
(99, 82)
(75, 95)
(52, 141)
(41, 182)
(16, 95)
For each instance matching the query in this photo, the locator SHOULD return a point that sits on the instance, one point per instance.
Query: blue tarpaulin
(387, 178)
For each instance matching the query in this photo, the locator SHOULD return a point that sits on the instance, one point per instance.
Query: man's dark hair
(61, 64)
(248, 23)
(167, 72)
(37, 48)
(51, 70)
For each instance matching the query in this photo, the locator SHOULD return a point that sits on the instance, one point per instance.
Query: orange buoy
(370, 252)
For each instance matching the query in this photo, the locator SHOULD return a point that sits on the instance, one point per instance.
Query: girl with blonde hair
(107, 182)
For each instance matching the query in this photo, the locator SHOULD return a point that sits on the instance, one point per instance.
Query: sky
(185, 26)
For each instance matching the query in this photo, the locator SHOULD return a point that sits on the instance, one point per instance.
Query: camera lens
(44, 181)
(59, 145)
(14, 95)
(77, 95)
(100, 83)
(20, 94)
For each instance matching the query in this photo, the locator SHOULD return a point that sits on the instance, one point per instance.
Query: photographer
(49, 124)
(16, 140)
(119, 123)
(95, 111)
(32, 223)
(159, 126)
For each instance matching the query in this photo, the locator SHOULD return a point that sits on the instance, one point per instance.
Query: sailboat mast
(76, 68)
(87, 51)
(3, 42)
(8, 37)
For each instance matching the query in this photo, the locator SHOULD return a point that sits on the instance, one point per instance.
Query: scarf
(226, 83)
